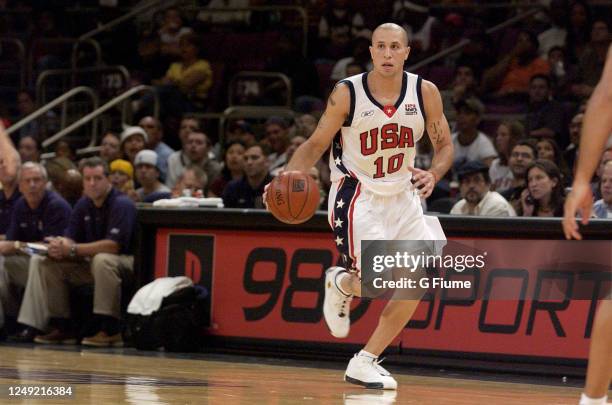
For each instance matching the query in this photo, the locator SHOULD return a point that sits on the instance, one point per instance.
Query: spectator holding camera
(544, 195)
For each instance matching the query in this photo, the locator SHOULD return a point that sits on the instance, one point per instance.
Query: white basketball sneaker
(336, 305)
(367, 372)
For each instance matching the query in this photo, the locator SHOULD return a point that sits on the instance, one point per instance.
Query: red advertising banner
(269, 285)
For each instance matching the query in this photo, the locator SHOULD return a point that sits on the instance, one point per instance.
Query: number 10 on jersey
(391, 137)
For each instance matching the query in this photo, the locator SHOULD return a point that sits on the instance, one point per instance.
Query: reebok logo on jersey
(368, 113)
(410, 109)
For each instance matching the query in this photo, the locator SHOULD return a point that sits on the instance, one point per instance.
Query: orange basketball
(293, 197)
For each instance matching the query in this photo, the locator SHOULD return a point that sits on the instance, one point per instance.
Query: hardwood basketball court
(129, 377)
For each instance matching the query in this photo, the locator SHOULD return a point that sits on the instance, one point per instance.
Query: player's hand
(580, 200)
(424, 181)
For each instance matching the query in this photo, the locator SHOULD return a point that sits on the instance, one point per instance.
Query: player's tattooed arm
(438, 130)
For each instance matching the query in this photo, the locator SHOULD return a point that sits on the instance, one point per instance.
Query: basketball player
(596, 128)
(381, 115)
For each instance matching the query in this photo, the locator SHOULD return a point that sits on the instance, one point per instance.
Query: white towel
(149, 298)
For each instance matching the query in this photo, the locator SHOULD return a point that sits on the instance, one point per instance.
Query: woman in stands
(544, 194)
(233, 163)
(548, 149)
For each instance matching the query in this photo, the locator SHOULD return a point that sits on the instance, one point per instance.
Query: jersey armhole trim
(420, 97)
(349, 118)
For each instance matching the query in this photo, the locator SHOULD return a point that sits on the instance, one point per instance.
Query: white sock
(338, 280)
(585, 400)
(367, 354)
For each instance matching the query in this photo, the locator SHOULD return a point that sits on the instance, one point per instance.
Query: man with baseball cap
(474, 184)
(133, 140)
(470, 143)
(147, 174)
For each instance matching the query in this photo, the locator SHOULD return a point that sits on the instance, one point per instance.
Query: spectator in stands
(29, 149)
(338, 25)
(187, 125)
(544, 194)
(122, 176)
(474, 184)
(548, 149)
(295, 142)
(248, 191)
(26, 106)
(511, 75)
(96, 249)
(465, 85)
(523, 154)
(185, 86)
(559, 74)
(133, 140)
(300, 70)
(579, 29)
(592, 59)
(596, 180)
(305, 125)
(147, 175)
(196, 152)
(545, 116)
(603, 207)
(56, 168)
(571, 151)
(63, 149)
(170, 33)
(155, 134)
(233, 168)
(9, 190)
(415, 18)
(70, 186)
(360, 55)
(469, 143)
(193, 182)
(508, 134)
(40, 214)
(277, 135)
(240, 130)
(110, 148)
(354, 68)
(555, 35)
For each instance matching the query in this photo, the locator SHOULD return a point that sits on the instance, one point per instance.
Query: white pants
(356, 214)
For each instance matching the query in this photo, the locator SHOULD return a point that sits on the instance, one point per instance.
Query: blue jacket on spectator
(114, 220)
(50, 218)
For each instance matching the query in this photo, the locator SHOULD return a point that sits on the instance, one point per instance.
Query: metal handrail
(301, 11)
(76, 42)
(41, 95)
(124, 18)
(22, 57)
(257, 75)
(464, 42)
(52, 104)
(100, 110)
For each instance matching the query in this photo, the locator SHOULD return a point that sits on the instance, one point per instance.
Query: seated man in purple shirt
(96, 249)
(37, 215)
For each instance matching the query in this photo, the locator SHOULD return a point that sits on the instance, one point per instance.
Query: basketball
(293, 197)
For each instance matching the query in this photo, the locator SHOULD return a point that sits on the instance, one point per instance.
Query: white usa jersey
(377, 144)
